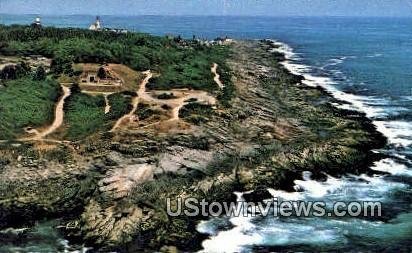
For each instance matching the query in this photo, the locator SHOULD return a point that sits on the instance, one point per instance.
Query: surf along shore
(272, 130)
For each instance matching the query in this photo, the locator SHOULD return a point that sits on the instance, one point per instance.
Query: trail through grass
(26, 103)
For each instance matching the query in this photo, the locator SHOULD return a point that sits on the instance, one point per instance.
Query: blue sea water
(365, 61)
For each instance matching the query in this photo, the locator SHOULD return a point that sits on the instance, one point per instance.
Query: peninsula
(99, 128)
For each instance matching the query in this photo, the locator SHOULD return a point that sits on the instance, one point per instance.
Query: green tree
(40, 74)
(12, 72)
(62, 64)
(8, 73)
(101, 73)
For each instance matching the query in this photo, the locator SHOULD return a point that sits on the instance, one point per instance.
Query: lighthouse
(96, 26)
(36, 22)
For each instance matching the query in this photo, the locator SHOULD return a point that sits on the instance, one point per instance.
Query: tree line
(181, 63)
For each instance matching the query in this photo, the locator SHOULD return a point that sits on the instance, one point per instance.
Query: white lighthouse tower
(96, 26)
(36, 22)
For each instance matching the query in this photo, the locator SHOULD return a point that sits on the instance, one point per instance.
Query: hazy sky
(211, 7)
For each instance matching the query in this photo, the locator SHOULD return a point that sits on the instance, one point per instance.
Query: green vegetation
(196, 113)
(144, 111)
(119, 105)
(229, 88)
(191, 69)
(12, 72)
(166, 96)
(181, 63)
(39, 74)
(29, 103)
(101, 73)
(84, 115)
(25, 102)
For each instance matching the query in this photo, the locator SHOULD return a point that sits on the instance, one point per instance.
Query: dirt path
(58, 119)
(106, 98)
(217, 76)
(107, 107)
(175, 104)
(141, 92)
(58, 114)
(200, 96)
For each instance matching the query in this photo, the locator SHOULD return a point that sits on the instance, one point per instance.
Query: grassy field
(24, 103)
(120, 104)
(190, 69)
(84, 115)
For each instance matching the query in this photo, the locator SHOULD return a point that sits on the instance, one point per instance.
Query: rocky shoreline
(112, 193)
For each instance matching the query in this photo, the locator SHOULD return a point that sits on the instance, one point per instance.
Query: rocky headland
(110, 192)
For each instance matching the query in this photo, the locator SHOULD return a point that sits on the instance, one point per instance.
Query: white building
(36, 22)
(96, 26)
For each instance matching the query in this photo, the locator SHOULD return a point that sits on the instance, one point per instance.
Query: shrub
(144, 111)
(166, 96)
(39, 74)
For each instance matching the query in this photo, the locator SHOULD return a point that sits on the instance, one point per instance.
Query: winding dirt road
(58, 114)
(107, 107)
(58, 119)
(140, 93)
(200, 96)
(217, 76)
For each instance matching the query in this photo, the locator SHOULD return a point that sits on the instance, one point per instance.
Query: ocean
(364, 61)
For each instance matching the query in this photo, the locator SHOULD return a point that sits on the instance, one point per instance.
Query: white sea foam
(206, 227)
(277, 231)
(243, 233)
(363, 188)
(329, 231)
(334, 62)
(317, 189)
(284, 49)
(390, 166)
(399, 133)
(233, 240)
(374, 55)
(283, 195)
(407, 98)
(357, 102)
